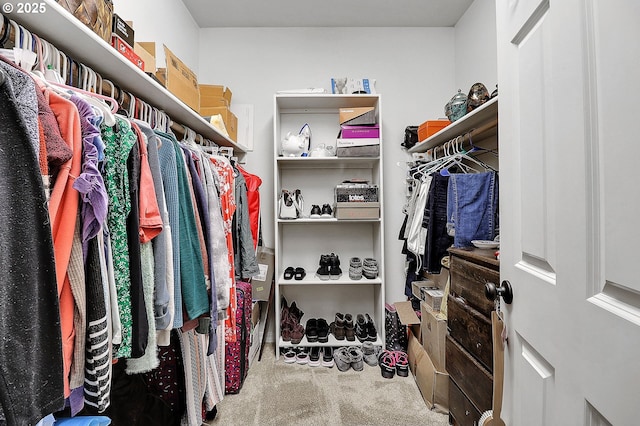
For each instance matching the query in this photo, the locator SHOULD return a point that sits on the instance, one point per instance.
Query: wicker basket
(96, 14)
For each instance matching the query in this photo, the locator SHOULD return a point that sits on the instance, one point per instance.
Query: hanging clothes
(245, 253)
(253, 202)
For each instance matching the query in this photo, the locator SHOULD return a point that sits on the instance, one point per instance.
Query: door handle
(492, 292)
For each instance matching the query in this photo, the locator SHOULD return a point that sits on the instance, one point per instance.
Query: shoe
(290, 355)
(372, 333)
(323, 270)
(297, 333)
(370, 353)
(402, 363)
(311, 330)
(323, 330)
(370, 268)
(288, 273)
(298, 202)
(314, 356)
(356, 358)
(387, 364)
(299, 274)
(342, 358)
(315, 211)
(355, 268)
(327, 211)
(327, 357)
(303, 356)
(334, 266)
(349, 331)
(361, 328)
(285, 324)
(287, 208)
(337, 327)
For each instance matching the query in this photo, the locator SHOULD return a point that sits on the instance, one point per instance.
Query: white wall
(256, 62)
(165, 22)
(476, 48)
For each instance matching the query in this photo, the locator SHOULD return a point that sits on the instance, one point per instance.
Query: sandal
(299, 273)
(288, 273)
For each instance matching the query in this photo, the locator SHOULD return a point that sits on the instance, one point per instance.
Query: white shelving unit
(300, 242)
(59, 27)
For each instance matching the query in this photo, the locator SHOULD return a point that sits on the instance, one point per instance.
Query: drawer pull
(505, 291)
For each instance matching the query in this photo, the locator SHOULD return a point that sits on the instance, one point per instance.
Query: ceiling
(327, 13)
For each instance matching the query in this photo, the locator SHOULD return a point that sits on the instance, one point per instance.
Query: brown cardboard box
(408, 317)
(357, 116)
(434, 332)
(212, 95)
(433, 384)
(417, 285)
(229, 118)
(357, 210)
(181, 81)
(261, 284)
(147, 52)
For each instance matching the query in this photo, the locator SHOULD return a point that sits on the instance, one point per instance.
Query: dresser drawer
(472, 330)
(463, 412)
(471, 377)
(468, 280)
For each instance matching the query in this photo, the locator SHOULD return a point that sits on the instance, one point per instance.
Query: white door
(569, 123)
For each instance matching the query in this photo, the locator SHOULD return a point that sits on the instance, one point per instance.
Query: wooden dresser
(469, 351)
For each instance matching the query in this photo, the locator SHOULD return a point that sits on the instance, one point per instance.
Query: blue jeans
(472, 206)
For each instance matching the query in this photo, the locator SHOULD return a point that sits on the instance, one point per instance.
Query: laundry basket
(96, 14)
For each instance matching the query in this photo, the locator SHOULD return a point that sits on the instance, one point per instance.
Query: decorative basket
(95, 14)
(350, 195)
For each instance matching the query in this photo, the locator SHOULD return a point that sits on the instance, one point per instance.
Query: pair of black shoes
(326, 211)
(365, 328)
(329, 267)
(296, 273)
(317, 330)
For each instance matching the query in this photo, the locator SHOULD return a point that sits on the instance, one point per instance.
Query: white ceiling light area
(326, 13)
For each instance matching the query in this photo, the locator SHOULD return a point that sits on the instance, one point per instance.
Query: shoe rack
(299, 243)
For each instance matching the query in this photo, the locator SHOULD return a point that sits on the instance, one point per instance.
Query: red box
(127, 51)
(431, 127)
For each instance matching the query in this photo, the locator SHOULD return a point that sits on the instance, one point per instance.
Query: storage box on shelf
(301, 242)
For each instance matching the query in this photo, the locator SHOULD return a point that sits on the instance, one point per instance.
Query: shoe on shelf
(299, 274)
(298, 202)
(290, 355)
(334, 266)
(356, 358)
(303, 356)
(311, 330)
(327, 357)
(323, 330)
(355, 268)
(349, 329)
(315, 211)
(342, 358)
(297, 333)
(337, 327)
(327, 211)
(361, 328)
(288, 273)
(323, 270)
(314, 356)
(372, 333)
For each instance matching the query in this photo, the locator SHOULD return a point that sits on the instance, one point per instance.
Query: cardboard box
(408, 317)
(431, 127)
(431, 297)
(261, 284)
(181, 81)
(417, 285)
(123, 30)
(357, 116)
(149, 57)
(161, 76)
(356, 132)
(434, 331)
(361, 210)
(348, 142)
(229, 118)
(127, 51)
(433, 384)
(214, 96)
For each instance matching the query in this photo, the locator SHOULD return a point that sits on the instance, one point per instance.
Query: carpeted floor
(276, 393)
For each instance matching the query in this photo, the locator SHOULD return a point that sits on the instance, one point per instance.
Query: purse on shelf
(291, 204)
(95, 14)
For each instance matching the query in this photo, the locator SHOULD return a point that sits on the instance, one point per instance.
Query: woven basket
(96, 14)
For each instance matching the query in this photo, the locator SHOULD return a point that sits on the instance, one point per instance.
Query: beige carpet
(276, 393)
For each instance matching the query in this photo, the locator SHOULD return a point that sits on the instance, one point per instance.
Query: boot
(323, 270)
(334, 266)
(396, 333)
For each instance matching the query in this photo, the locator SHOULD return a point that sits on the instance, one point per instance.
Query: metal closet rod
(475, 135)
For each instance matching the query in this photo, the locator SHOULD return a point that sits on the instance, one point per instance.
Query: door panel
(569, 191)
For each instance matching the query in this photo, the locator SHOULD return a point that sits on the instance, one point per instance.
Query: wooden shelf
(65, 32)
(485, 115)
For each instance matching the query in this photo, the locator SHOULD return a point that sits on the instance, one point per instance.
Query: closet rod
(473, 135)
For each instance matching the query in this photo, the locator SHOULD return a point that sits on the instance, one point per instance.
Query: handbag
(290, 204)
(95, 14)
